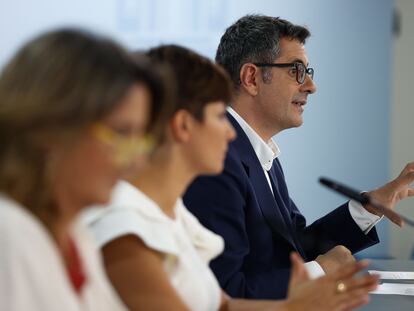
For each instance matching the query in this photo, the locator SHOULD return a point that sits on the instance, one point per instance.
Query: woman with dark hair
(155, 251)
(74, 115)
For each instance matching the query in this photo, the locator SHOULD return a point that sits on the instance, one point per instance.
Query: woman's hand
(339, 291)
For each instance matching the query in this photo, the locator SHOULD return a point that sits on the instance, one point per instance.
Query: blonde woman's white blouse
(32, 272)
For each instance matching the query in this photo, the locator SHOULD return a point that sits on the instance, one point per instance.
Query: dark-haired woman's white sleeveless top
(186, 245)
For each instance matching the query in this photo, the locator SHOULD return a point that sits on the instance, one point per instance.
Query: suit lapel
(267, 203)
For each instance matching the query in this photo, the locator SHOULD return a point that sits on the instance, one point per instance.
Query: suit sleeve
(219, 203)
(336, 228)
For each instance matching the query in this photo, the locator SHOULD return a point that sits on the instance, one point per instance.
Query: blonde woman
(74, 113)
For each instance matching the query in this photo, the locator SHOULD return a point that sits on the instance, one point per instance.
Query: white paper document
(393, 275)
(394, 289)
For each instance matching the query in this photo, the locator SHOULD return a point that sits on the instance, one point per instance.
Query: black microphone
(365, 199)
(344, 190)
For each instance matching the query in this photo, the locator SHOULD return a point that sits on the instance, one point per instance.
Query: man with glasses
(249, 204)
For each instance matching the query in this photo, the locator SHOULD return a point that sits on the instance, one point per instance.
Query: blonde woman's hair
(56, 85)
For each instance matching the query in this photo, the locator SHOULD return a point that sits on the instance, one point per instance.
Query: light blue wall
(346, 134)
(346, 130)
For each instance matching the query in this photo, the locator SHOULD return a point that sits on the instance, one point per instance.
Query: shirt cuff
(314, 269)
(364, 219)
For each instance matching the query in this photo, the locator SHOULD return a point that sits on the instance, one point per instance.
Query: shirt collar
(265, 152)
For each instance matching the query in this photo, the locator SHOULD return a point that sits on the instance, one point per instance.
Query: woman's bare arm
(137, 274)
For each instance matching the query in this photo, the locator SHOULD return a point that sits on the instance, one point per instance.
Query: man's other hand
(335, 258)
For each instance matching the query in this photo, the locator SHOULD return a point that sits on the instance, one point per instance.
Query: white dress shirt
(266, 152)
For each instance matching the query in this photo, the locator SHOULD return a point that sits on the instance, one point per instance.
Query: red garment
(74, 268)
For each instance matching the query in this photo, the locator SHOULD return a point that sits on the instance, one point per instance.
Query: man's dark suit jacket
(261, 229)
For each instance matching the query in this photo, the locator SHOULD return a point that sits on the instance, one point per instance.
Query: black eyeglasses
(296, 67)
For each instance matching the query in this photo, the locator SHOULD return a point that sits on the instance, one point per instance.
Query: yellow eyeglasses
(126, 146)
